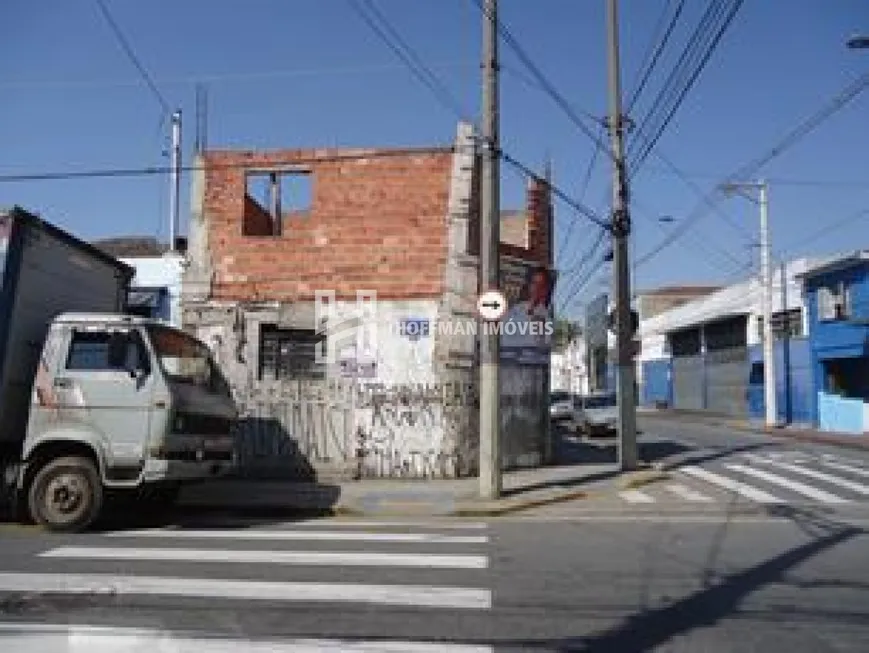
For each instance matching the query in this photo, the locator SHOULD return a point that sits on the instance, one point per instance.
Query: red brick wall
(537, 213)
(375, 223)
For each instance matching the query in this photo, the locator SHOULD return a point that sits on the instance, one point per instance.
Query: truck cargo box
(44, 271)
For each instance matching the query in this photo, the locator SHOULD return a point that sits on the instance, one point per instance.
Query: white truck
(95, 403)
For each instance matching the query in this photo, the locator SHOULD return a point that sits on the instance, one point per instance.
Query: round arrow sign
(492, 305)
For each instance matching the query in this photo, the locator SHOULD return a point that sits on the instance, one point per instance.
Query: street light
(744, 189)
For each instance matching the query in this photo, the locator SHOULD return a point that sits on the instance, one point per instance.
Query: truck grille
(207, 425)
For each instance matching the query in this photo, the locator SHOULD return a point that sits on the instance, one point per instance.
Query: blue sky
(298, 73)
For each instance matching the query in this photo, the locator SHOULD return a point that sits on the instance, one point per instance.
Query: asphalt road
(673, 566)
(604, 583)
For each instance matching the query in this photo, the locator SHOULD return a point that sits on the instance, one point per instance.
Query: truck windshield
(185, 359)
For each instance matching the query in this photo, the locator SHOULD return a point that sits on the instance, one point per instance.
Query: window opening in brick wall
(290, 354)
(273, 196)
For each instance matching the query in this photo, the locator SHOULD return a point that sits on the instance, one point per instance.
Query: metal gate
(727, 373)
(688, 382)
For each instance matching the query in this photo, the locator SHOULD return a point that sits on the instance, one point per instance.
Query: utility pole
(769, 372)
(175, 180)
(621, 228)
(768, 344)
(490, 236)
(786, 344)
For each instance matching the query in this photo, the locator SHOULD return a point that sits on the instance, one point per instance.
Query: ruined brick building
(270, 232)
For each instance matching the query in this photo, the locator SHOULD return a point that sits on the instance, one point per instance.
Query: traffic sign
(492, 305)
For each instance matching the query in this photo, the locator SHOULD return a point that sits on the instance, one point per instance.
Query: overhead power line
(128, 49)
(405, 52)
(751, 169)
(390, 36)
(686, 87)
(544, 82)
(656, 54)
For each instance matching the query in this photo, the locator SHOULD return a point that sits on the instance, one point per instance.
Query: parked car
(597, 414)
(561, 407)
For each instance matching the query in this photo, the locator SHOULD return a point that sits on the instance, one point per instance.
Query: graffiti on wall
(419, 431)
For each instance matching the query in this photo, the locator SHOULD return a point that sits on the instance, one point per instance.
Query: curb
(643, 478)
(519, 506)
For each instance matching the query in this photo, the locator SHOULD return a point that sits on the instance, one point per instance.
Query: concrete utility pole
(766, 281)
(621, 228)
(768, 344)
(490, 236)
(175, 180)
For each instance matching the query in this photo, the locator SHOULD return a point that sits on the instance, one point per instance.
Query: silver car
(561, 407)
(597, 414)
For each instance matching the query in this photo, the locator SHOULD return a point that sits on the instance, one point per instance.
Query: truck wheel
(66, 495)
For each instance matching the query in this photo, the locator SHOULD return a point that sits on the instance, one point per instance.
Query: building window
(834, 302)
(290, 354)
(271, 197)
(786, 324)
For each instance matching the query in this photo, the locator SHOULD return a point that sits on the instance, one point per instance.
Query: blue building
(706, 354)
(837, 304)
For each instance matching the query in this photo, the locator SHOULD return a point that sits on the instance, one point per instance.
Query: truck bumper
(162, 470)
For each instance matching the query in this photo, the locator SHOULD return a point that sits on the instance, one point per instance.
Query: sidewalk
(522, 490)
(798, 433)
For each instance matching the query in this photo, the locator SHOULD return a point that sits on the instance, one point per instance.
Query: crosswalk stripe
(795, 486)
(687, 493)
(821, 476)
(842, 467)
(313, 558)
(434, 523)
(38, 638)
(747, 491)
(635, 496)
(291, 535)
(422, 596)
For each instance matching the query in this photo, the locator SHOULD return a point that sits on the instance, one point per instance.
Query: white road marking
(727, 483)
(635, 496)
(110, 585)
(687, 493)
(795, 486)
(38, 638)
(313, 558)
(283, 535)
(434, 523)
(860, 471)
(859, 488)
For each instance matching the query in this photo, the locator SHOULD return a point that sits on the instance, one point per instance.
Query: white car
(597, 414)
(561, 407)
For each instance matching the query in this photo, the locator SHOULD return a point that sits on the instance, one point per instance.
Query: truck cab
(125, 404)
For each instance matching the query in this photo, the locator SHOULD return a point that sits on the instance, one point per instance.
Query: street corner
(642, 477)
(511, 506)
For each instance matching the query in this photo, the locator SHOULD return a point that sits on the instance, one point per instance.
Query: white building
(568, 368)
(156, 288)
(741, 299)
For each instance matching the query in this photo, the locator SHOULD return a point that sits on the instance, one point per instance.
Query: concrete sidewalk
(523, 490)
(798, 433)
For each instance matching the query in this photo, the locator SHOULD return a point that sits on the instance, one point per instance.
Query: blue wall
(840, 338)
(657, 386)
(795, 401)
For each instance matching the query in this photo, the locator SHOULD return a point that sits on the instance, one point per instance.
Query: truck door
(109, 373)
